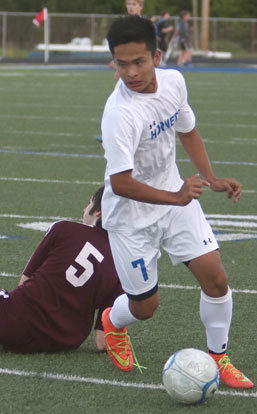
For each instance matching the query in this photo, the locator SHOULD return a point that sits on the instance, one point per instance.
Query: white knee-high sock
(120, 314)
(216, 315)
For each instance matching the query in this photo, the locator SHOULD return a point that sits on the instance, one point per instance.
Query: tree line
(218, 8)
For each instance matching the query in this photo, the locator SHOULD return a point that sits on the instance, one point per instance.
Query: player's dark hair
(97, 200)
(130, 28)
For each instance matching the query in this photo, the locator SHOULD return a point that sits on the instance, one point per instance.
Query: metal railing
(19, 37)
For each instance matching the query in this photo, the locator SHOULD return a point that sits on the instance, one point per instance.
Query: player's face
(89, 219)
(136, 66)
(133, 7)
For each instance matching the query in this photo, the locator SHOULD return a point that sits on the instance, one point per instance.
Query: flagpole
(46, 36)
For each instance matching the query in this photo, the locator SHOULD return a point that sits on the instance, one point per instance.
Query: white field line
(61, 134)
(101, 381)
(61, 154)
(227, 125)
(161, 285)
(220, 112)
(8, 74)
(208, 216)
(231, 223)
(41, 180)
(184, 287)
(230, 141)
(231, 216)
(4, 274)
(70, 118)
(38, 217)
(47, 105)
(42, 117)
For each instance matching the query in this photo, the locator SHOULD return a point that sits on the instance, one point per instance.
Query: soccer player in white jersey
(146, 205)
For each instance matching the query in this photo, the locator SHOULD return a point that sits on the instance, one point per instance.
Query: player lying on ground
(69, 276)
(146, 205)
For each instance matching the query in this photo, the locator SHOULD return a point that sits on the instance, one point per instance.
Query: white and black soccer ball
(190, 376)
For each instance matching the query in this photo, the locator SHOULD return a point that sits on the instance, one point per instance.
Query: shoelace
(136, 364)
(124, 344)
(224, 362)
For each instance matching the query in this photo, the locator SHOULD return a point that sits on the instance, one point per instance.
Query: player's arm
(99, 339)
(167, 29)
(124, 185)
(39, 255)
(23, 279)
(194, 146)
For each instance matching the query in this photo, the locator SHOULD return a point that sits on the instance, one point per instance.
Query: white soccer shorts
(183, 233)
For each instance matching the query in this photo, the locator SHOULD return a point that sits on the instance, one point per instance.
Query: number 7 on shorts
(141, 263)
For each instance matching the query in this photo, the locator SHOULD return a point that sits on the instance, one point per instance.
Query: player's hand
(192, 188)
(232, 187)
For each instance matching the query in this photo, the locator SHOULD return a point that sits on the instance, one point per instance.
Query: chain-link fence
(20, 38)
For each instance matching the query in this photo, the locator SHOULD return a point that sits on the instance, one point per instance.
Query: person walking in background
(182, 37)
(163, 28)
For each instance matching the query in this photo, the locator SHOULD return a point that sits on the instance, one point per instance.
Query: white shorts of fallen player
(183, 233)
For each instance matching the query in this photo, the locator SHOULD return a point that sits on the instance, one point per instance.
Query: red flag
(40, 17)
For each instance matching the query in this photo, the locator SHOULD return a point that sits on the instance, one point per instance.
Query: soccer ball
(190, 376)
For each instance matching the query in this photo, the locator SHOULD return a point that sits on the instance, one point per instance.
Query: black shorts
(185, 44)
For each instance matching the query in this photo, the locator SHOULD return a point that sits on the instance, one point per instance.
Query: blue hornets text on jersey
(161, 126)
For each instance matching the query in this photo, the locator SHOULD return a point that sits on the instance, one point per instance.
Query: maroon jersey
(71, 275)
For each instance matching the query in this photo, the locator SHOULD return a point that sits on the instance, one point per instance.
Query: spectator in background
(152, 19)
(182, 37)
(134, 6)
(163, 30)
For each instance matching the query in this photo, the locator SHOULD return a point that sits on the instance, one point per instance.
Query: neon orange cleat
(231, 376)
(117, 343)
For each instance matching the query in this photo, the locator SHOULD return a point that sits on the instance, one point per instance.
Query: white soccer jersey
(138, 132)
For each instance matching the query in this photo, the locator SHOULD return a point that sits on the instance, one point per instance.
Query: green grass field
(50, 163)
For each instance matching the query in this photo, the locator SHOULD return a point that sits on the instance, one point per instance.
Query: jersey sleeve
(186, 119)
(41, 251)
(118, 140)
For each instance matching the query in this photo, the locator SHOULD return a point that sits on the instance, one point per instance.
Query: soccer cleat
(231, 376)
(117, 344)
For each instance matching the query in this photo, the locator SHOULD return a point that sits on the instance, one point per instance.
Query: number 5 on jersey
(83, 261)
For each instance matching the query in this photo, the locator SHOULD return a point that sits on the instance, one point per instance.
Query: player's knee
(144, 309)
(143, 314)
(217, 286)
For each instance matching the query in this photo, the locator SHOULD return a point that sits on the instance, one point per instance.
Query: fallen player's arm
(100, 340)
(23, 279)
